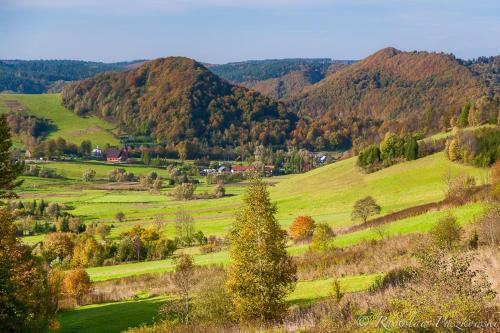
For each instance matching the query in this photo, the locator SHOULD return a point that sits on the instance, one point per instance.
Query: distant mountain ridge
(279, 78)
(40, 76)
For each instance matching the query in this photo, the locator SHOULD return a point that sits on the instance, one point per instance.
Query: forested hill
(415, 91)
(279, 78)
(177, 100)
(39, 76)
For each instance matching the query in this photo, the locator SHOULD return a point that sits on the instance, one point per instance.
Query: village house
(114, 155)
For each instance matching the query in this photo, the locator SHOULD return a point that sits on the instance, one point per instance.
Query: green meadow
(327, 194)
(71, 127)
(109, 317)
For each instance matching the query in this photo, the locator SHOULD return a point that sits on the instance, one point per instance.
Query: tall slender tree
(9, 169)
(261, 272)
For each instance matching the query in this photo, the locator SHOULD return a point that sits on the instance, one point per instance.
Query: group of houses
(268, 169)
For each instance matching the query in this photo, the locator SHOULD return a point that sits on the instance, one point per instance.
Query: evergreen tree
(411, 149)
(463, 118)
(261, 273)
(9, 169)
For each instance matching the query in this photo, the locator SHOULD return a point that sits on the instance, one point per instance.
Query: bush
(89, 175)
(397, 277)
(489, 226)
(212, 303)
(302, 228)
(461, 188)
(447, 232)
(120, 216)
(219, 190)
(184, 191)
(322, 237)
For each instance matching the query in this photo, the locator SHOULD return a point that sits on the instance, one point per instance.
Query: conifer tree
(9, 169)
(261, 272)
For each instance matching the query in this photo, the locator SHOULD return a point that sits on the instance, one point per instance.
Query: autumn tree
(57, 245)
(365, 208)
(322, 237)
(261, 273)
(302, 228)
(24, 291)
(103, 230)
(184, 227)
(183, 281)
(77, 284)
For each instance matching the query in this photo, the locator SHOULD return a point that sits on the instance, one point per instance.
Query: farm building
(114, 155)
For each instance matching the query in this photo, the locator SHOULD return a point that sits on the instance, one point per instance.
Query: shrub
(322, 237)
(397, 277)
(89, 175)
(489, 226)
(120, 216)
(219, 190)
(212, 303)
(447, 232)
(302, 228)
(184, 191)
(445, 289)
(461, 188)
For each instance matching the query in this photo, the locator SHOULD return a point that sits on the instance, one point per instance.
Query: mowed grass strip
(71, 127)
(118, 316)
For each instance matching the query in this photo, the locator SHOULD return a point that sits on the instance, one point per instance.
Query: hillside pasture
(69, 126)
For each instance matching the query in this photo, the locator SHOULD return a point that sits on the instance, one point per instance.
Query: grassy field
(327, 194)
(109, 317)
(418, 224)
(69, 126)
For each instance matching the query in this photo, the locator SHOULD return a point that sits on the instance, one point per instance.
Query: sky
(220, 31)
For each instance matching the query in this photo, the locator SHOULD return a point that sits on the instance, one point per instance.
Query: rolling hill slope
(71, 127)
(395, 90)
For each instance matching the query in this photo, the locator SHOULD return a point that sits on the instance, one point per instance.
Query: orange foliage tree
(302, 228)
(77, 284)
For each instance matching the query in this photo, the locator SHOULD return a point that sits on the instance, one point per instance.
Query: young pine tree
(261, 273)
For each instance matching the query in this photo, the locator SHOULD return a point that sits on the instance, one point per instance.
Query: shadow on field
(110, 317)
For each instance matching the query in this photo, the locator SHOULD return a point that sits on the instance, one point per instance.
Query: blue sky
(219, 31)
